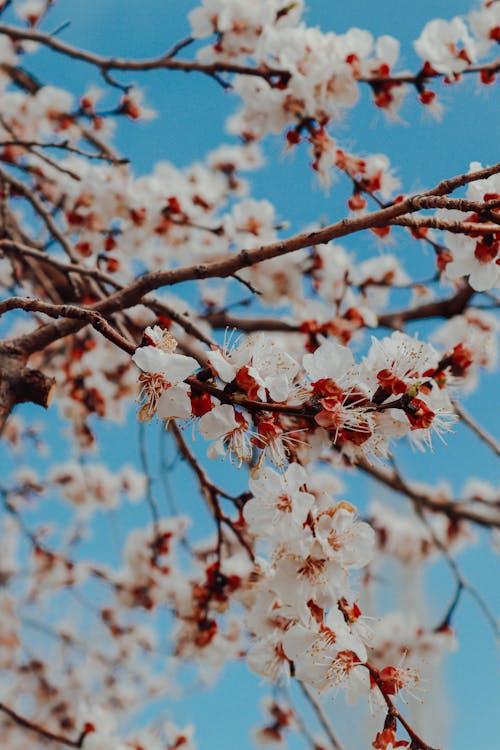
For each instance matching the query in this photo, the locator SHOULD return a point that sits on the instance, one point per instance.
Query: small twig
(32, 252)
(462, 583)
(316, 706)
(301, 724)
(246, 283)
(123, 87)
(165, 469)
(477, 428)
(60, 28)
(150, 499)
(417, 743)
(211, 493)
(33, 150)
(45, 216)
(41, 730)
(454, 509)
(189, 456)
(178, 46)
(65, 146)
(446, 621)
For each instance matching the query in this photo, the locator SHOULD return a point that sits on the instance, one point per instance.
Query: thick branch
(445, 308)
(19, 384)
(95, 319)
(434, 222)
(229, 264)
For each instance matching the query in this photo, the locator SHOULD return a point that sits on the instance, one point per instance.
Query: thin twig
(462, 583)
(143, 454)
(318, 710)
(40, 730)
(454, 509)
(477, 428)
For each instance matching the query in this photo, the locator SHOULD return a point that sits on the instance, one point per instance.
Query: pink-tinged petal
(330, 360)
(174, 403)
(175, 367)
(297, 641)
(178, 367)
(149, 358)
(224, 369)
(484, 276)
(217, 422)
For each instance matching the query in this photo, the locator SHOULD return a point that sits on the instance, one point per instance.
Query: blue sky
(191, 114)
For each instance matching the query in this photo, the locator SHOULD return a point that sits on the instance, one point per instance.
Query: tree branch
(39, 729)
(475, 427)
(455, 510)
(232, 263)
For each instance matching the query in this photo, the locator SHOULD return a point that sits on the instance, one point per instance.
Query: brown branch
(165, 61)
(155, 304)
(231, 263)
(150, 498)
(42, 275)
(461, 582)
(211, 493)
(475, 427)
(422, 76)
(316, 706)
(160, 307)
(453, 509)
(189, 456)
(31, 85)
(95, 319)
(32, 726)
(417, 743)
(32, 252)
(65, 146)
(222, 319)
(19, 384)
(37, 545)
(31, 148)
(458, 204)
(457, 227)
(446, 308)
(38, 207)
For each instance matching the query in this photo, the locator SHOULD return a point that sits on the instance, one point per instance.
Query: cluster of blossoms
(301, 615)
(470, 254)
(400, 388)
(281, 721)
(120, 671)
(92, 486)
(301, 611)
(313, 76)
(401, 538)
